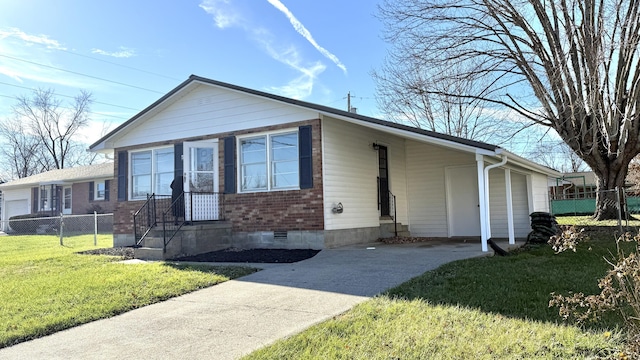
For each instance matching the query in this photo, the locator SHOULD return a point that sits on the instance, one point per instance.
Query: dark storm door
(383, 181)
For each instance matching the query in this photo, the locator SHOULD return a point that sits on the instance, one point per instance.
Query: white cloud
(124, 52)
(302, 86)
(224, 15)
(31, 39)
(302, 30)
(15, 75)
(20, 60)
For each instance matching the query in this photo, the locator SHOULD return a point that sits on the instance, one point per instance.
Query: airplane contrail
(306, 34)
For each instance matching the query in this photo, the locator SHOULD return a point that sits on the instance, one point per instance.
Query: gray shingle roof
(69, 175)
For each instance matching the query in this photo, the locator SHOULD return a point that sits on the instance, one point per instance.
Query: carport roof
(69, 175)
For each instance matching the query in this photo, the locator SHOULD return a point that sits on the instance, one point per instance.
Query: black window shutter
(305, 153)
(230, 165)
(34, 200)
(58, 199)
(106, 189)
(92, 186)
(178, 167)
(122, 175)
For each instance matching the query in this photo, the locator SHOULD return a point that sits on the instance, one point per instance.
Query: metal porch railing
(393, 213)
(174, 213)
(147, 216)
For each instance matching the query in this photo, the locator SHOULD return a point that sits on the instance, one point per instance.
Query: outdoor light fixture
(337, 209)
(375, 146)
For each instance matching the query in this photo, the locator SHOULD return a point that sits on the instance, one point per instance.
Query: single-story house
(72, 191)
(288, 173)
(573, 185)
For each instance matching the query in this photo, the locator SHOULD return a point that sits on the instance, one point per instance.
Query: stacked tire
(544, 226)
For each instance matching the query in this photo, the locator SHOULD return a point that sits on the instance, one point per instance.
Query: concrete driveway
(232, 319)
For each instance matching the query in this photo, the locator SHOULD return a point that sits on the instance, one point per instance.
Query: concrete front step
(389, 229)
(148, 253)
(191, 239)
(154, 241)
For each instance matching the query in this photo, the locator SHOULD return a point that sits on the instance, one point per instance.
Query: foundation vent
(279, 235)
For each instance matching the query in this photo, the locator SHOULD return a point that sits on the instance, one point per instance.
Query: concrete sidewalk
(232, 319)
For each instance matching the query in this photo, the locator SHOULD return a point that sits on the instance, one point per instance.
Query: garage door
(13, 208)
(16, 207)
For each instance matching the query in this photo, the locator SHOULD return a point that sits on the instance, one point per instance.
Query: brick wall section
(80, 203)
(123, 216)
(263, 211)
(279, 210)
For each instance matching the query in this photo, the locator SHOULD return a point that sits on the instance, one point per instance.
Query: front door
(383, 181)
(201, 181)
(66, 200)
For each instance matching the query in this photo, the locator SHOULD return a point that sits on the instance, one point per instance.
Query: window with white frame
(151, 172)
(99, 190)
(269, 162)
(45, 198)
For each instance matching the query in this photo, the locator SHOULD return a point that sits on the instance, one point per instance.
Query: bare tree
(571, 65)
(21, 151)
(43, 133)
(408, 93)
(557, 155)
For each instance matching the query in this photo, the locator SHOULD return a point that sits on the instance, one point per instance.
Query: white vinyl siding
(498, 201)
(539, 192)
(350, 167)
(210, 110)
(521, 221)
(426, 185)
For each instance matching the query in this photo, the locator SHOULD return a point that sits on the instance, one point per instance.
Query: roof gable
(190, 84)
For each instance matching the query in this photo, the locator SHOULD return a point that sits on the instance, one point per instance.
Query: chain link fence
(578, 209)
(63, 225)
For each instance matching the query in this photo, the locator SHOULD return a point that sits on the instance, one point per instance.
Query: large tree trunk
(610, 193)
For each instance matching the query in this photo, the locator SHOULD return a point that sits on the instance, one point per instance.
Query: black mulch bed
(125, 252)
(283, 256)
(253, 256)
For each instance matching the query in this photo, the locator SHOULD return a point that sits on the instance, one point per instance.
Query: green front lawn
(483, 308)
(47, 287)
(587, 220)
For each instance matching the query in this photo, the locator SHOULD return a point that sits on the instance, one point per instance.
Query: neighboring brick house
(300, 175)
(71, 191)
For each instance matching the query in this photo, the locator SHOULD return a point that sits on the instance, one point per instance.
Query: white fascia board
(413, 136)
(530, 165)
(20, 186)
(109, 143)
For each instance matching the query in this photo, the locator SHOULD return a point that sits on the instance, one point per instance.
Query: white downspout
(487, 212)
(481, 201)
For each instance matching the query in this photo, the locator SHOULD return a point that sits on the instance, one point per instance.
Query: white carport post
(482, 204)
(507, 182)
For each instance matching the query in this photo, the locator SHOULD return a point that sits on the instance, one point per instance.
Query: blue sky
(130, 53)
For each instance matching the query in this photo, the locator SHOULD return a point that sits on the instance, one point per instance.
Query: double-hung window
(99, 190)
(45, 198)
(151, 172)
(269, 162)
